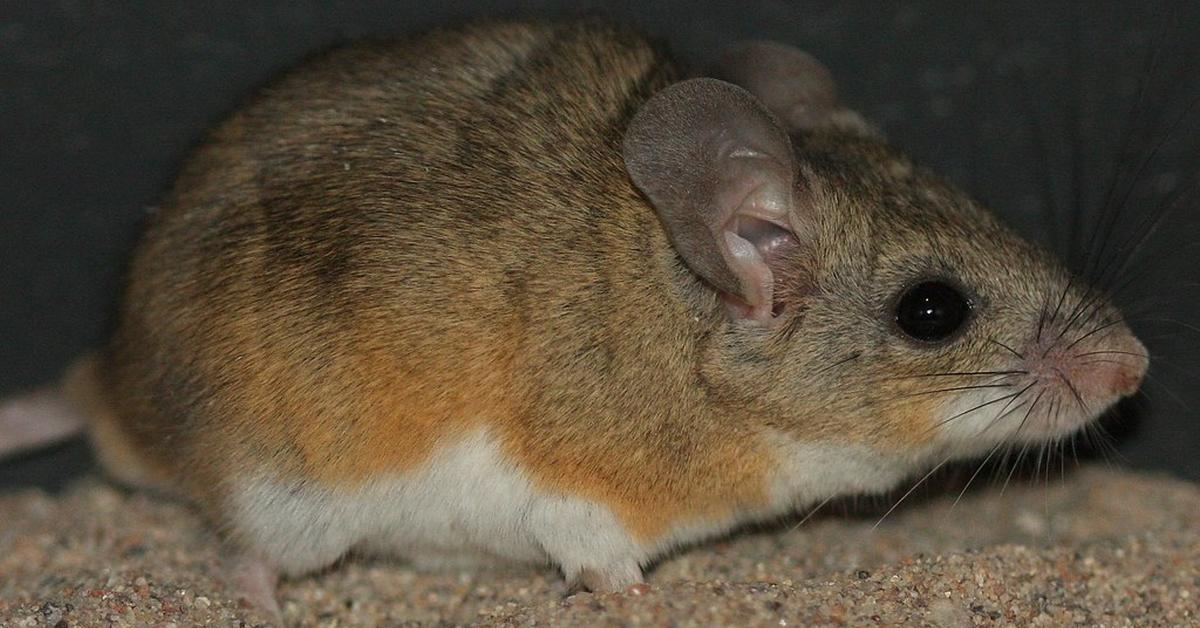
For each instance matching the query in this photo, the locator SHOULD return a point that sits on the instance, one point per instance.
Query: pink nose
(1115, 366)
(1126, 379)
(1085, 373)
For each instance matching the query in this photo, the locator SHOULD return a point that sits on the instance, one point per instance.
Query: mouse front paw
(608, 578)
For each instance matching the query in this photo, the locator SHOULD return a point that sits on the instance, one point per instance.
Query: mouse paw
(253, 580)
(611, 578)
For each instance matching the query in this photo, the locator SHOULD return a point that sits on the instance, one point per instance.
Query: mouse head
(865, 300)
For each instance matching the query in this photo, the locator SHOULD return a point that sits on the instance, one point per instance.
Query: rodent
(525, 291)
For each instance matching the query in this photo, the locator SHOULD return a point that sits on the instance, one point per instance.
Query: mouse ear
(797, 88)
(719, 170)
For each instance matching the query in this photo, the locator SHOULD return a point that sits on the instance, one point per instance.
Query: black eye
(932, 311)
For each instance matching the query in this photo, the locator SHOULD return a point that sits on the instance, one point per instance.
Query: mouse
(532, 292)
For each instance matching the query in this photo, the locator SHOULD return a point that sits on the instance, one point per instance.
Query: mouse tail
(49, 414)
(75, 406)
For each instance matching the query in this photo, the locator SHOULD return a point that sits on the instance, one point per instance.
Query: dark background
(1036, 107)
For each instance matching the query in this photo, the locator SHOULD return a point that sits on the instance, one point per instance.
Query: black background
(1036, 107)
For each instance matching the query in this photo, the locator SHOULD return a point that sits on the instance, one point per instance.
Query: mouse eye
(931, 311)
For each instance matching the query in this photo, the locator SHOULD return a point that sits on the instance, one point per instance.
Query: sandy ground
(1101, 547)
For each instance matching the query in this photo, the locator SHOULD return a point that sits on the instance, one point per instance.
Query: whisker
(958, 374)
(1055, 409)
(1006, 347)
(1170, 393)
(1016, 465)
(1089, 296)
(910, 492)
(978, 469)
(1028, 413)
(1109, 211)
(811, 513)
(853, 356)
(1117, 362)
(1062, 459)
(1092, 304)
(1172, 321)
(995, 382)
(955, 389)
(1062, 297)
(1074, 450)
(1174, 249)
(1003, 413)
(1142, 233)
(1017, 433)
(1074, 391)
(1110, 352)
(1037, 468)
(1041, 322)
(1140, 170)
(1091, 333)
(1151, 221)
(1099, 438)
(980, 406)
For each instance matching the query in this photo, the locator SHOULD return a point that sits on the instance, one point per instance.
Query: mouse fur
(410, 300)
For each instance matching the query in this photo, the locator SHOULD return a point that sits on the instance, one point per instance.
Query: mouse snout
(1127, 376)
(1096, 368)
(1110, 372)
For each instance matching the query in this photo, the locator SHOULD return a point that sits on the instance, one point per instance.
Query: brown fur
(338, 286)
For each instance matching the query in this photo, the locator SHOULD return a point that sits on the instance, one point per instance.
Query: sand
(1099, 547)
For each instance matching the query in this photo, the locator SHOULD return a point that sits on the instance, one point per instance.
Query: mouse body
(524, 291)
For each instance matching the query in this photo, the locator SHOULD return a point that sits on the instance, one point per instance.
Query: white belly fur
(468, 500)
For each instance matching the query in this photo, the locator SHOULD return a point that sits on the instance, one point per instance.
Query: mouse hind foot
(254, 581)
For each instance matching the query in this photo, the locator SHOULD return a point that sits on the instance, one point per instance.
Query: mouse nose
(1125, 375)
(1099, 370)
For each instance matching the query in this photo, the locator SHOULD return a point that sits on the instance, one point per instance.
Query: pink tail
(37, 419)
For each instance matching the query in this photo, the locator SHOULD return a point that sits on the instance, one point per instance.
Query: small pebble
(638, 589)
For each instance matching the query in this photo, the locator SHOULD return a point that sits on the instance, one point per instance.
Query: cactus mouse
(526, 292)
